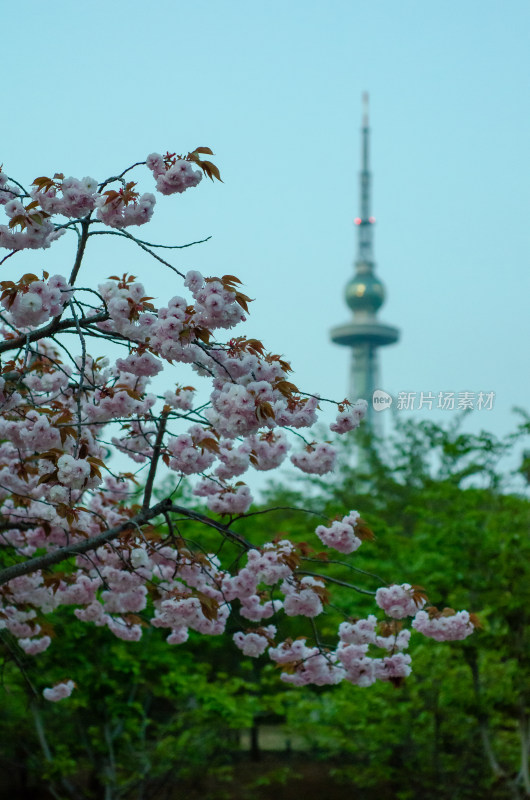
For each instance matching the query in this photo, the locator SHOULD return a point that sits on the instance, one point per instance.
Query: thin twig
(120, 176)
(335, 580)
(127, 235)
(281, 508)
(347, 566)
(142, 246)
(12, 253)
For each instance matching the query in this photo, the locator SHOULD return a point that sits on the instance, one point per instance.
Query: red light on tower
(371, 220)
(357, 220)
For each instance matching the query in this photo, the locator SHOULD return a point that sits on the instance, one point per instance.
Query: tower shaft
(364, 379)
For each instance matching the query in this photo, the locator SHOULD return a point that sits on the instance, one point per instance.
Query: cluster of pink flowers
(302, 598)
(397, 641)
(360, 632)
(444, 628)
(181, 399)
(234, 460)
(59, 691)
(268, 567)
(118, 213)
(7, 191)
(117, 400)
(73, 472)
(189, 453)
(316, 459)
(301, 413)
(233, 411)
(172, 332)
(269, 450)
(36, 302)
(19, 622)
(350, 418)
(307, 664)
(351, 661)
(255, 643)
(353, 653)
(37, 433)
(215, 305)
(187, 612)
(36, 234)
(340, 535)
(33, 647)
(223, 498)
(175, 178)
(144, 365)
(253, 608)
(398, 601)
(78, 197)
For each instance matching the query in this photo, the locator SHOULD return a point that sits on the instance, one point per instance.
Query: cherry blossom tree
(76, 532)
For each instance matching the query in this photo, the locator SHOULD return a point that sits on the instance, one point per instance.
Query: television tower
(365, 294)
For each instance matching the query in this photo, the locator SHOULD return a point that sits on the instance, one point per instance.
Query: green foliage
(142, 711)
(147, 716)
(443, 521)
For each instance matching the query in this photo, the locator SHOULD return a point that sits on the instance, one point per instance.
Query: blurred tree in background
(440, 506)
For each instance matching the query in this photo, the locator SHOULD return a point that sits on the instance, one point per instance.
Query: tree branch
(62, 553)
(146, 514)
(52, 327)
(85, 223)
(154, 459)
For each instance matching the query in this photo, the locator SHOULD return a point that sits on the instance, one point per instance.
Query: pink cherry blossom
(59, 692)
(398, 601)
(350, 418)
(444, 628)
(316, 459)
(254, 644)
(341, 535)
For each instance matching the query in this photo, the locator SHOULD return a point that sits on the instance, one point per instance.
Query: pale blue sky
(274, 89)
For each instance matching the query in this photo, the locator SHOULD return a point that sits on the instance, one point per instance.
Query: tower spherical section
(364, 292)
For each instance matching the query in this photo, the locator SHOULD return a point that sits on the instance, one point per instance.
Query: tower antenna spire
(365, 221)
(366, 109)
